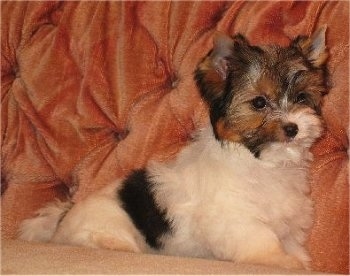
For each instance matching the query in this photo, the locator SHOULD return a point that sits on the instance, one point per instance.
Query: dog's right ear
(313, 47)
(212, 71)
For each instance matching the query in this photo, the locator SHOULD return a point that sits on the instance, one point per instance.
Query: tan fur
(266, 86)
(227, 133)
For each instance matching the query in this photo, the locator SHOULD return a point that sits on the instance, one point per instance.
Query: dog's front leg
(255, 244)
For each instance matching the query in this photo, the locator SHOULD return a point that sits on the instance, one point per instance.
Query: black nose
(291, 130)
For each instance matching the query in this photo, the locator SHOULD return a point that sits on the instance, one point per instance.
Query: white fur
(44, 225)
(222, 201)
(99, 221)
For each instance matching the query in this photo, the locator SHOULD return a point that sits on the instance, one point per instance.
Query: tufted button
(174, 81)
(16, 72)
(121, 135)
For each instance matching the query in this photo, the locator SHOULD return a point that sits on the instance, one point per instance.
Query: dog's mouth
(255, 145)
(256, 142)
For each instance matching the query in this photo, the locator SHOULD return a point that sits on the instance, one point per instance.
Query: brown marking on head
(266, 86)
(227, 133)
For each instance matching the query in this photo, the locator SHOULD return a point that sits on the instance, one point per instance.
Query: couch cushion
(20, 257)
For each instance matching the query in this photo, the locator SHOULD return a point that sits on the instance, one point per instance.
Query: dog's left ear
(223, 46)
(313, 47)
(212, 71)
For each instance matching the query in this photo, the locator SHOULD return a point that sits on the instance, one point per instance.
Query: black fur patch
(138, 201)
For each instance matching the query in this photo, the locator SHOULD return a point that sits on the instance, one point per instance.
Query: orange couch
(91, 90)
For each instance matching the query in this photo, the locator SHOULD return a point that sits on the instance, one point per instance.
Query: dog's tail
(42, 227)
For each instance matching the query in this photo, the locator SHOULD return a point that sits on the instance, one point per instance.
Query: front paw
(107, 241)
(291, 262)
(274, 256)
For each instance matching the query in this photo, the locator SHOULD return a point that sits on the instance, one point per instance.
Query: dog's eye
(259, 102)
(301, 97)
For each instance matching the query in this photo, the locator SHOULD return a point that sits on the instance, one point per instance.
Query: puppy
(239, 191)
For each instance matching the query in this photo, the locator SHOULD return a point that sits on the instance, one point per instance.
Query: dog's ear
(223, 47)
(313, 47)
(212, 72)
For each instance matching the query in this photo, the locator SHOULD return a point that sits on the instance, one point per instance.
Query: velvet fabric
(91, 90)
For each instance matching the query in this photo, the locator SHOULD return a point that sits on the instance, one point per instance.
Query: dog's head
(263, 95)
